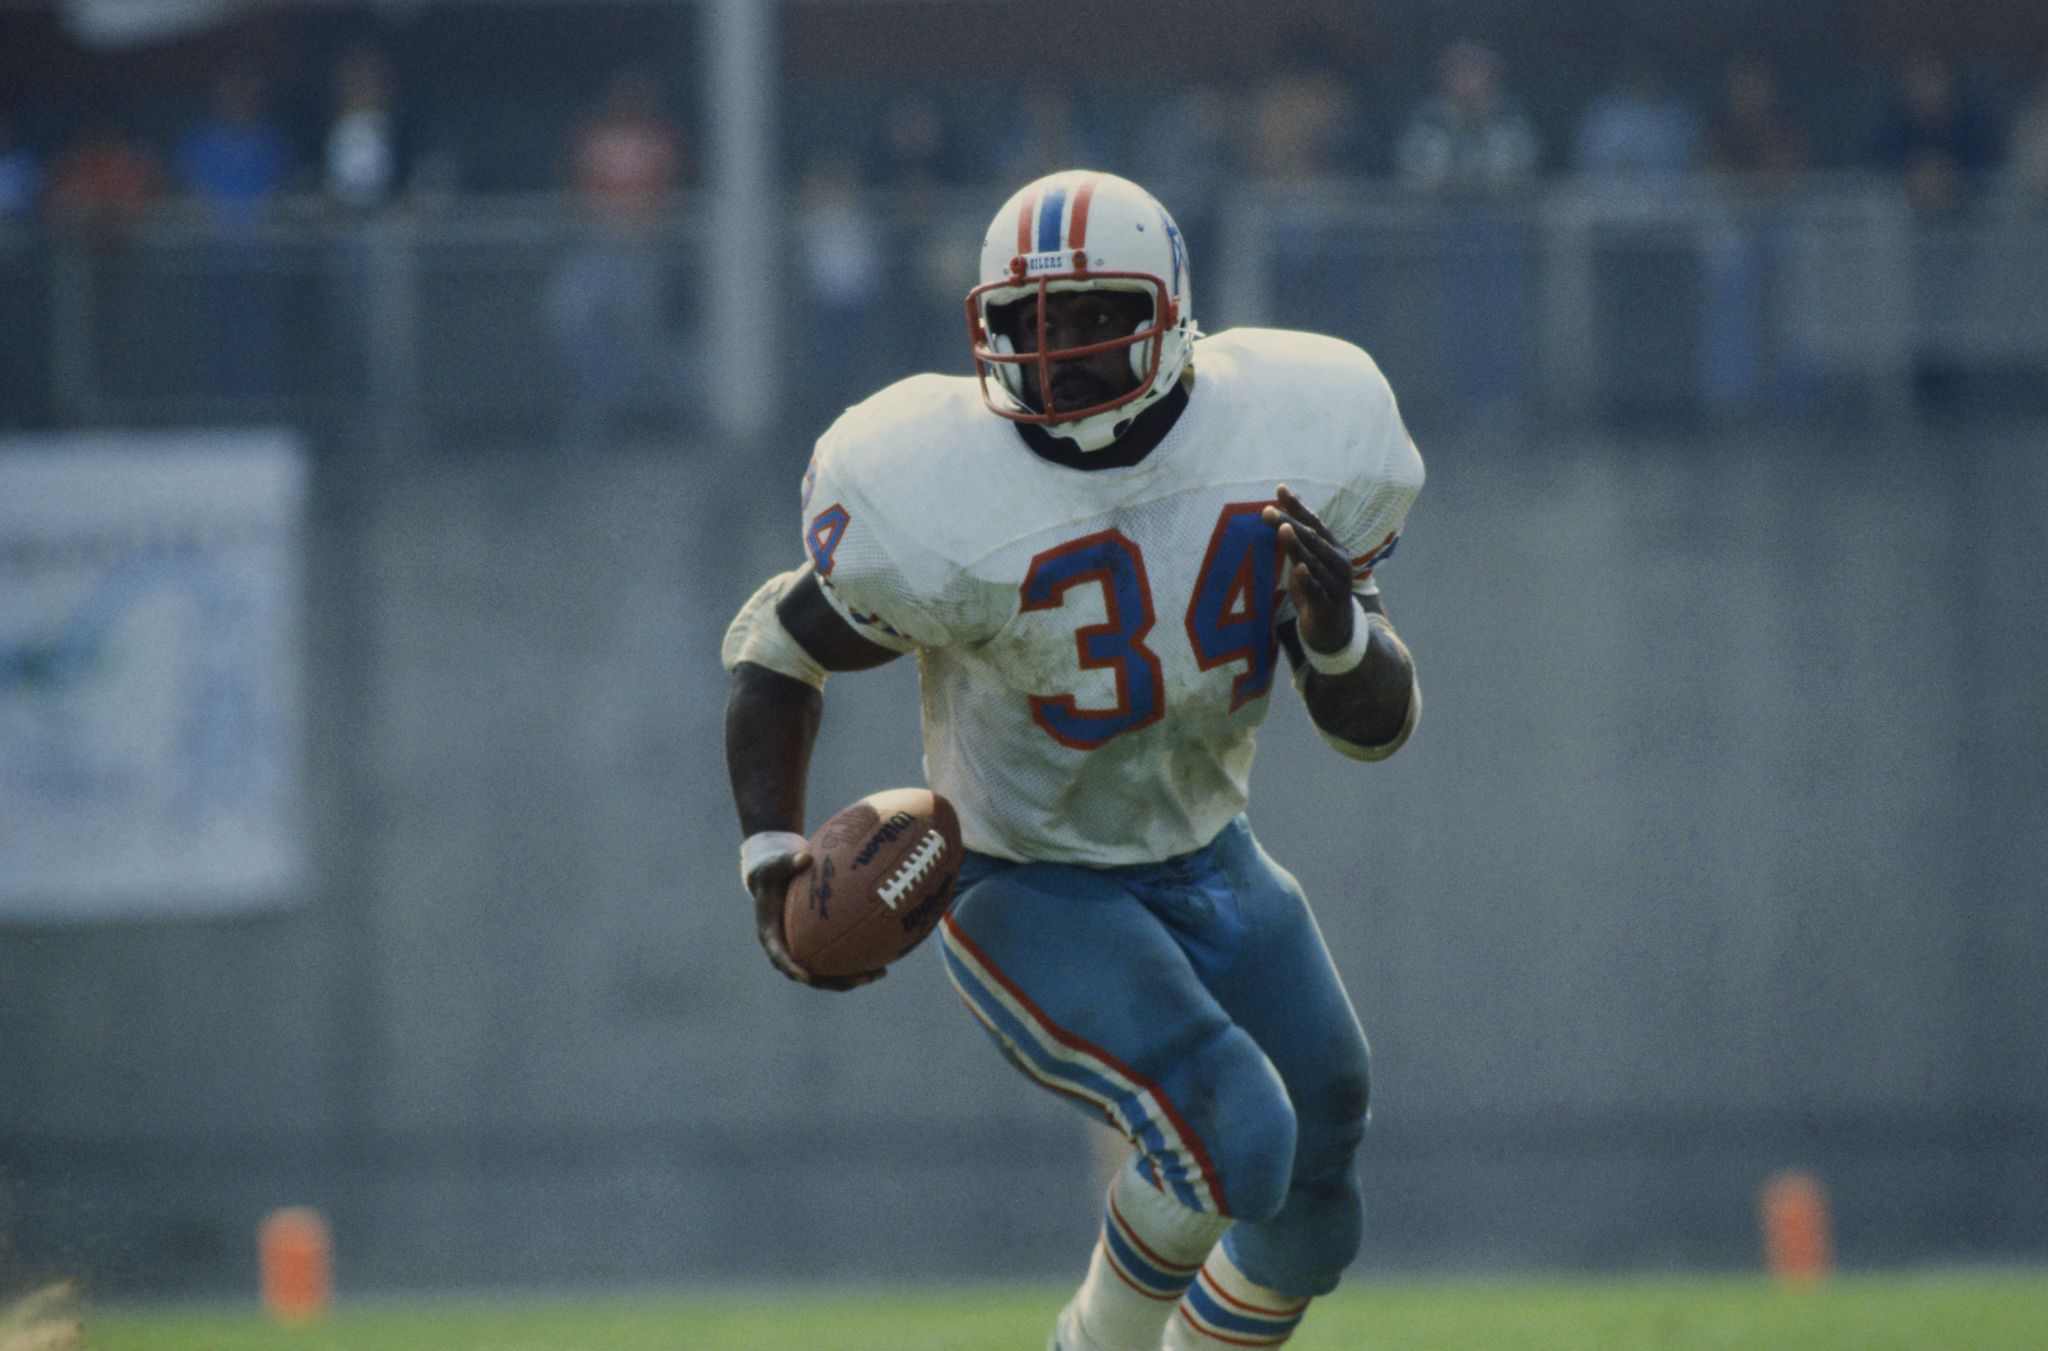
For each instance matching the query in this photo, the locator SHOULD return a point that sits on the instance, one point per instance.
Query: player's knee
(1259, 1165)
(1255, 1134)
(1335, 1208)
(1306, 1247)
(1325, 1206)
(1332, 1125)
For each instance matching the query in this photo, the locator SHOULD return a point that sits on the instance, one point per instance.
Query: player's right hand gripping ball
(881, 877)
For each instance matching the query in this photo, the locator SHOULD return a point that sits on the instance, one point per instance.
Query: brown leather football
(881, 876)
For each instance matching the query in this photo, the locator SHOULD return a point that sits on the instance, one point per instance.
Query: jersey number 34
(1229, 620)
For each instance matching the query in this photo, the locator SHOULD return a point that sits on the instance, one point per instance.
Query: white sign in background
(150, 714)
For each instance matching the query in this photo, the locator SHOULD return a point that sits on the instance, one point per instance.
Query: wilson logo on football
(895, 826)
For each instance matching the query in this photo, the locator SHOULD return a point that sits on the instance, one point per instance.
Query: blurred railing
(495, 316)
(1676, 299)
(518, 321)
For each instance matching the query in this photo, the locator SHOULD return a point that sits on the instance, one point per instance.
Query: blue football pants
(1193, 1003)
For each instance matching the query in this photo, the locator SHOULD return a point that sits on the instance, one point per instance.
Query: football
(881, 876)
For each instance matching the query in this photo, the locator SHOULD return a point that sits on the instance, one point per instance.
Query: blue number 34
(1229, 620)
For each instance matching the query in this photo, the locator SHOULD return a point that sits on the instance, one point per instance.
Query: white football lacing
(914, 868)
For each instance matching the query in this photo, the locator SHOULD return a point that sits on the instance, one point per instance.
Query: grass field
(1928, 1312)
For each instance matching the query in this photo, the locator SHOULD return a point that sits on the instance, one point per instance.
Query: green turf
(1975, 1312)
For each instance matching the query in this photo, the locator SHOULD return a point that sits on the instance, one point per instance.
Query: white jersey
(1097, 647)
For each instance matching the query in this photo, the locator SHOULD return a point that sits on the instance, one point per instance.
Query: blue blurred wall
(1718, 851)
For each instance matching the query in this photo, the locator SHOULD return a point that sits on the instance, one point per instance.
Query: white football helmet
(1080, 230)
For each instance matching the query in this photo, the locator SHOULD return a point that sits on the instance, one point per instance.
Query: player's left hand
(769, 885)
(1318, 573)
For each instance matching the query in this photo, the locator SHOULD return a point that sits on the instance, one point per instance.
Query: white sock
(1149, 1250)
(1224, 1308)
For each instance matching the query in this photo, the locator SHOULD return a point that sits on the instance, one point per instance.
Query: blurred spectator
(23, 378)
(361, 163)
(1753, 144)
(234, 161)
(361, 173)
(840, 254)
(1940, 146)
(20, 176)
(2030, 143)
(1636, 145)
(1757, 154)
(235, 164)
(104, 177)
(1637, 129)
(921, 156)
(1052, 134)
(1300, 126)
(1186, 154)
(915, 162)
(837, 238)
(1184, 148)
(627, 161)
(1469, 139)
(1933, 139)
(608, 302)
(100, 183)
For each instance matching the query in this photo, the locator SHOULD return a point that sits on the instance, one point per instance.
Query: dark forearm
(771, 723)
(1367, 705)
(771, 719)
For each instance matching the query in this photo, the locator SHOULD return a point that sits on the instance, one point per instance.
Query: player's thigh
(1090, 995)
(1285, 990)
(1060, 955)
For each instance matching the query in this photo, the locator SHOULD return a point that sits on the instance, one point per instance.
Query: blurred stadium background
(397, 398)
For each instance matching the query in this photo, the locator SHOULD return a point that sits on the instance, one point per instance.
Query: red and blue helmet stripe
(1058, 220)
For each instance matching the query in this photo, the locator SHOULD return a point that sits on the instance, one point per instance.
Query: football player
(1098, 547)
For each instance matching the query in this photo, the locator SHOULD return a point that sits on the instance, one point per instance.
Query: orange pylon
(1798, 1237)
(296, 1255)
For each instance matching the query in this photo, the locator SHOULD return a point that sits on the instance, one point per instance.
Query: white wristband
(766, 847)
(1337, 663)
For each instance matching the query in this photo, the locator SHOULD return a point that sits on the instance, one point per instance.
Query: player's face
(1078, 319)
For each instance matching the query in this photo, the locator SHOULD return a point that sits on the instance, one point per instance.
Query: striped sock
(1150, 1249)
(1224, 1308)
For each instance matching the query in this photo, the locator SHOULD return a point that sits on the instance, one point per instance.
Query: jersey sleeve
(1368, 516)
(871, 564)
